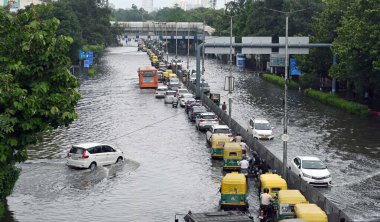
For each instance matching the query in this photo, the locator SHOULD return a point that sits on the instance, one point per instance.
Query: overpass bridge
(165, 30)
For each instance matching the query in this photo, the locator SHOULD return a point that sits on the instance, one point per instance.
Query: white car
(186, 97)
(206, 120)
(217, 129)
(160, 91)
(182, 91)
(169, 96)
(193, 78)
(260, 129)
(174, 84)
(312, 170)
(91, 155)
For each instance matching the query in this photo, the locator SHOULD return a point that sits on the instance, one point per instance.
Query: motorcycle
(175, 104)
(263, 214)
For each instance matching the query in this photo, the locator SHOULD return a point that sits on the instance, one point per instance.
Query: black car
(194, 111)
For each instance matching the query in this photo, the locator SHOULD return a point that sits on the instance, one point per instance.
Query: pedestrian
(224, 107)
(238, 138)
(244, 147)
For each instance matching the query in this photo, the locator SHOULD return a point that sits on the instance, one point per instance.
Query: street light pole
(230, 78)
(285, 141)
(188, 46)
(176, 41)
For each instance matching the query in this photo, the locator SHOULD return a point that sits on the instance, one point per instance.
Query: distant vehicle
(205, 87)
(193, 77)
(194, 111)
(169, 95)
(91, 155)
(312, 170)
(148, 77)
(160, 91)
(189, 104)
(174, 84)
(206, 120)
(217, 129)
(186, 97)
(222, 216)
(260, 129)
(180, 92)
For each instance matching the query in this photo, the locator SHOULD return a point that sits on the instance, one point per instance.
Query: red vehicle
(148, 77)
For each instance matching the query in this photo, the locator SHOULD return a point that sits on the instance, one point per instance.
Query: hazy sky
(156, 3)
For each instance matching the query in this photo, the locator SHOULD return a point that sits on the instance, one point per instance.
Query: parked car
(260, 129)
(186, 97)
(206, 87)
(91, 155)
(193, 78)
(180, 92)
(217, 129)
(194, 111)
(160, 91)
(312, 170)
(169, 95)
(190, 104)
(206, 120)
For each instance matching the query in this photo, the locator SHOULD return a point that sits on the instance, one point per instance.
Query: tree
(37, 93)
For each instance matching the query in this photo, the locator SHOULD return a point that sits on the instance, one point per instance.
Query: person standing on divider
(224, 107)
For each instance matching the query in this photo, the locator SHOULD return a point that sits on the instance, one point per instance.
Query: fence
(312, 194)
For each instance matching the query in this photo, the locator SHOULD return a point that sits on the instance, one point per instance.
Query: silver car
(184, 98)
(160, 91)
(169, 96)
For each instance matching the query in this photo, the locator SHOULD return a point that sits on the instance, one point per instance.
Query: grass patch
(334, 100)
(92, 71)
(278, 80)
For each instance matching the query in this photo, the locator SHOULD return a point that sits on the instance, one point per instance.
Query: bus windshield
(148, 73)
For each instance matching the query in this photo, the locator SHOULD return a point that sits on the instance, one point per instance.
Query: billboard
(257, 40)
(294, 41)
(14, 4)
(277, 60)
(219, 40)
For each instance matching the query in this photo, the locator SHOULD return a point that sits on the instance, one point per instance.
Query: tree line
(37, 92)
(350, 25)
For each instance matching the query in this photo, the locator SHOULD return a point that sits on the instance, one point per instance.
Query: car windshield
(187, 96)
(174, 81)
(171, 93)
(182, 91)
(225, 131)
(313, 165)
(161, 89)
(262, 126)
(208, 117)
(199, 109)
(76, 150)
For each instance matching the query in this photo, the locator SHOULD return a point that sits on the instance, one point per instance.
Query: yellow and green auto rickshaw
(286, 201)
(274, 183)
(234, 192)
(232, 154)
(172, 76)
(165, 75)
(169, 71)
(310, 213)
(217, 144)
(154, 60)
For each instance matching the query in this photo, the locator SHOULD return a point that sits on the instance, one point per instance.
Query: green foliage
(2, 209)
(309, 80)
(280, 81)
(332, 99)
(37, 93)
(92, 71)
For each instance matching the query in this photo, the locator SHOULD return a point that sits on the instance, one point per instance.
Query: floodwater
(168, 168)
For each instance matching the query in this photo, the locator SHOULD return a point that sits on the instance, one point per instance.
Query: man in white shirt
(265, 202)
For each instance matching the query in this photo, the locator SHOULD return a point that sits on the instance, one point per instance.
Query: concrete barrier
(312, 194)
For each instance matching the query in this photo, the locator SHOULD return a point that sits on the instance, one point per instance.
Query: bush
(8, 177)
(1, 209)
(280, 81)
(92, 71)
(309, 80)
(332, 99)
(96, 49)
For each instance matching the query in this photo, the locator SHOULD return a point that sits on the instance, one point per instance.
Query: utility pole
(203, 49)
(188, 46)
(176, 40)
(166, 40)
(230, 78)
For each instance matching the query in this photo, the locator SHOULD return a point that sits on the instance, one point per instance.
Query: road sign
(294, 69)
(294, 41)
(277, 60)
(82, 55)
(86, 64)
(256, 40)
(219, 40)
(90, 57)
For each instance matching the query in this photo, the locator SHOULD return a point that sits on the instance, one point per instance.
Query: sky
(156, 3)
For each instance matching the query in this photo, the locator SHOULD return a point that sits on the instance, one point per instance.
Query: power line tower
(102, 3)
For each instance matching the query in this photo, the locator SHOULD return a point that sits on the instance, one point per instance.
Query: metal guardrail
(312, 194)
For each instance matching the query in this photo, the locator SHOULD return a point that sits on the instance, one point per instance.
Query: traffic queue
(277, 203)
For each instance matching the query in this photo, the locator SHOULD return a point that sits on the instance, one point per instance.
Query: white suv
(90, 155)
(260, 129)
(206, 120)
(312, 170)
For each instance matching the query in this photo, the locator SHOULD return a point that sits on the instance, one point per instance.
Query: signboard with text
(256, 40)
(294, 41)
(277, 60)
(219, 40)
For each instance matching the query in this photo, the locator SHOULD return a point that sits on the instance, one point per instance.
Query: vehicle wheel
(92, 166)
(119, 159)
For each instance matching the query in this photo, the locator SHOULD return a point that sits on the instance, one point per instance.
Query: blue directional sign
(294, 69)
(183, 37)
(195, 37)
(161, 37)
(172, 37)
(148, 36)
(90, 57)
(82, 55)
(125, 36)
(86, 64)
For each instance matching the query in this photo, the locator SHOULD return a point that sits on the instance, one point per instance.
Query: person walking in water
(224, 107)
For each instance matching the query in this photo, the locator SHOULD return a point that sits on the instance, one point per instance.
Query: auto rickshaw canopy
(273, 182)
(172, 76)
(169, 71)
(232, 151)
(234, 183)
(219, 140)
(310, 213)
(291, 197)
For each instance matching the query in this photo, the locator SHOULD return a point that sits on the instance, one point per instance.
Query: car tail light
(85, 154)
(216, 119)
(201, 120)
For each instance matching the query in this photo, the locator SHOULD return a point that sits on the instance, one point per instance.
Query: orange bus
(148, 77)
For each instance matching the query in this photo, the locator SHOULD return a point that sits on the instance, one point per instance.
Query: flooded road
(168, 168)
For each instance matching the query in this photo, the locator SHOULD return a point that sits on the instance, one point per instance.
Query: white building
(20, 4)
(147, 5)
